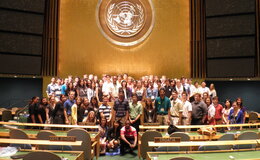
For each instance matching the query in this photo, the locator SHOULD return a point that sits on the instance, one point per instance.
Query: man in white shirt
(114, 89)
(204, 88)
(187, 109)
(107, 86)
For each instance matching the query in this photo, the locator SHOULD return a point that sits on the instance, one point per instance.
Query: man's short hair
(197, 94)
(215, 98)
(134, 95)
(161, 89)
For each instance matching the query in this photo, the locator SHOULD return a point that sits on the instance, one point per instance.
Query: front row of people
(117, 135)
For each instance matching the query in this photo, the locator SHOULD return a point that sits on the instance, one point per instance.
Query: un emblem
(125, 22)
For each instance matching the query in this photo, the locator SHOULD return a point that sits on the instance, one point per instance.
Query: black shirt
(33, 110)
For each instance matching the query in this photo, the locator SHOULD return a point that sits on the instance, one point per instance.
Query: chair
(226, 137)
(86, 146)
(184, 137)
(6, 115)
(246, 136)
(182, 158)
(19, 134)
(143, 144)
(41, 156)
(253, 117)
(45, 135)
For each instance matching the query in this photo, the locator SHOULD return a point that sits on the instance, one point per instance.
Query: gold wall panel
(83, 49)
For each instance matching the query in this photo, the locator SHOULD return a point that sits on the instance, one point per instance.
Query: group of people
(161, 100)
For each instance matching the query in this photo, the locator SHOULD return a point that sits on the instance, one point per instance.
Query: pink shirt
(130, 133)
(218, 114)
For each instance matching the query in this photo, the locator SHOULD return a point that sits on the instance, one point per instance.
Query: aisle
(127, 156)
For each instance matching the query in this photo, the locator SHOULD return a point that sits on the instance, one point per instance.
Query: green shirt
(162, 105)
(135, 110)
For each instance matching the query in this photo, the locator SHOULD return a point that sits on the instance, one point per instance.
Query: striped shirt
(131, 133)
(106, 110)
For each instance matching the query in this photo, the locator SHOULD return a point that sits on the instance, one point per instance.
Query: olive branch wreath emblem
(136, 26)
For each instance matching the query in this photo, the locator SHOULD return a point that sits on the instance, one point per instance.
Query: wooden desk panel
(39, 142)
(206, 155)
(71, 155)
(203, 143)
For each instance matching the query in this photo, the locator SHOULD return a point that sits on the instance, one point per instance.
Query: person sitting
(90, 120)
(128, 137)
(102, 128)
(113, 135)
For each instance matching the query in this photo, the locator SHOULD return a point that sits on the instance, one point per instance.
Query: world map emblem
(125, 22)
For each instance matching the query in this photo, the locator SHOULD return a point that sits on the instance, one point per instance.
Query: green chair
(253, 117)
(19, 134)
(247, 136)
(44, 135)
(40, 155)
(226, 137)
(6, 115)
(184, 137)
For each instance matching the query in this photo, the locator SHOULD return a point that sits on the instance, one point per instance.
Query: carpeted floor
(127, 156)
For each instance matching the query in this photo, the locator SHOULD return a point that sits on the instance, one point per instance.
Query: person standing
(68, 104)
(187, 109)
(149, 111)
(135, 112)
(121, 108)
(75, 110)
(105, 110)
(162, 106)
(51, 87)
(199, 110)
(176, 110)
(33, 110)
(218, 109)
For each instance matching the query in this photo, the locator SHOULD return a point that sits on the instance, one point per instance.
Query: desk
(238, 155)
(195, 136)
(32, 133)
(142, 127)
(39, 142)
(203, 143)
(4, 133)
(71, 155)
(48, 125)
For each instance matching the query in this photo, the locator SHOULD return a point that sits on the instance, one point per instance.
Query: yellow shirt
(74, 116)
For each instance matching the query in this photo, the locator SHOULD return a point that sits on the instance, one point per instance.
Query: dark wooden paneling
(24, 5)
(231, 47)
(16, 64)
(21, 22)
(230, 26)
(240, 67)
(20, 43)
(222, 7)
